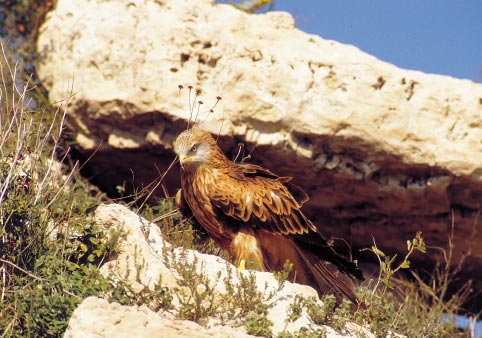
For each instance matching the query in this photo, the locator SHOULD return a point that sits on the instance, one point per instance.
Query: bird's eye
(193, 148)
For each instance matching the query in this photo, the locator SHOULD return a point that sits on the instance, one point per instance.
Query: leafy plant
(257, 322)
(49, 247)
(196, 292)
(412, 309)
(159, 298)
(305, 332)
(402, 306)
(387, 270)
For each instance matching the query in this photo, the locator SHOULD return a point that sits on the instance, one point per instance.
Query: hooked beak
(183, 159)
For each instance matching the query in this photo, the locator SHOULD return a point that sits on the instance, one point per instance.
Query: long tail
(323, 273)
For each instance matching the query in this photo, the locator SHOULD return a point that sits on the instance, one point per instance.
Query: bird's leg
(242, 264)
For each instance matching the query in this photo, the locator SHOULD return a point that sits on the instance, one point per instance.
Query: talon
(242, 265)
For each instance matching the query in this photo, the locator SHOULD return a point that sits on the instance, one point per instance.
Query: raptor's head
(195, 147)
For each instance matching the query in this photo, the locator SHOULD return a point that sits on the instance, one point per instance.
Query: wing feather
(187, 213)
(257, 196)
(182, 205)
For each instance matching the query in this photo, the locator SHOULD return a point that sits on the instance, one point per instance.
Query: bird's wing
(182, 205)
(186, 211)
(247, 170)
(255, 196)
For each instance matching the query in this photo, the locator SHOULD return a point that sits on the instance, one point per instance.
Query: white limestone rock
(140, 262)
(382, 152)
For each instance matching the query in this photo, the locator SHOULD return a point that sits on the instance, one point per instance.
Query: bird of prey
(256, 216)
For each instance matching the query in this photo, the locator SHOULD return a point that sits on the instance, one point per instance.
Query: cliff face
(381, 151)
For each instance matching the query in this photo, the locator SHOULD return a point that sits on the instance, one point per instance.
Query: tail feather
(326, 253)
(316, 243)
(325, 278)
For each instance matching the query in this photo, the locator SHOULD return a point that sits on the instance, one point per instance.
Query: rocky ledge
(145, 260)
(382, 152)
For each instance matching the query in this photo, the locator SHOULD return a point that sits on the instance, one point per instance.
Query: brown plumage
(256, 216)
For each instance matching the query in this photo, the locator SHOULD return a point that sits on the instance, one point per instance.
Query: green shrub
(49, 247)
(257, 322)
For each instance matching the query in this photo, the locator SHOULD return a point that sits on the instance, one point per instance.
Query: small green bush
(257, 322)
(49, 248)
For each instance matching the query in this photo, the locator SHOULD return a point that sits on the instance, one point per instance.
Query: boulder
(96, 318)
(382, 152)
(142, 261)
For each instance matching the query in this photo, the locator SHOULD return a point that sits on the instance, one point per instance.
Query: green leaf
(377, 251)
(409, 244)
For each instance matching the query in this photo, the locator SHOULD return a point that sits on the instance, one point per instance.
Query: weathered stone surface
(380, 150)
(96, 318)
(141, 260)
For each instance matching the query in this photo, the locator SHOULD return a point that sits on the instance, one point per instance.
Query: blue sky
(434, 36)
